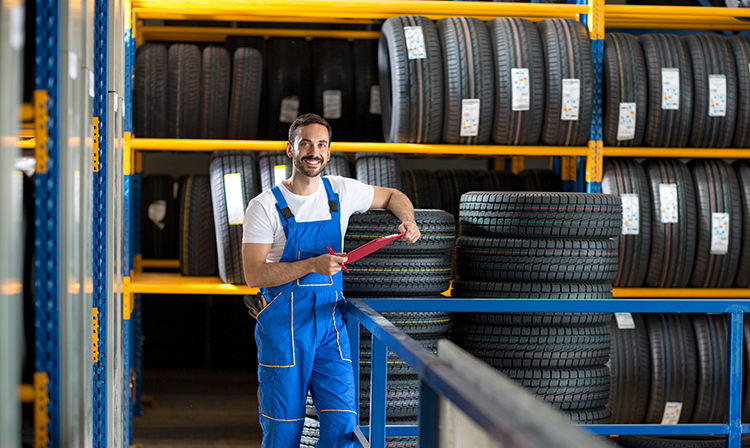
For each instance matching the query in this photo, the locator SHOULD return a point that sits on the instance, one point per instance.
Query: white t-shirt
(262, 223)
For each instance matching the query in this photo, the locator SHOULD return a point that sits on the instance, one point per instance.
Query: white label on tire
(626, 124)
(717, 88)
(571, 97)
(521, 90)
(672, 411)
(279, 174)
(719, 233)
(668, 201)
(670, 88)
(625, 321)
(469, 118)
(157, 211)
(375, 100)
(415, 42)
(631, 214)
(233, 194)
(16, 28)
(332, 104)
(289, 109)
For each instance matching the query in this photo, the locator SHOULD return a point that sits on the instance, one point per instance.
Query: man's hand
(328, 264)
(412, 232)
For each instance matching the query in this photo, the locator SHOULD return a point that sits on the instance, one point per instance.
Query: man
(301, 335)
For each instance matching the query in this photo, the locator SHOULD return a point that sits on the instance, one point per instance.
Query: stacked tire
(540, 246)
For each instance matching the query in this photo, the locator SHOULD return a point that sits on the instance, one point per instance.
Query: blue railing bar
(393, 430)
(361, 437)
(734, 380)
(352, 329)
(745, 428)
(583, 306)
(683, 429)
(429, 414)
(378, 375)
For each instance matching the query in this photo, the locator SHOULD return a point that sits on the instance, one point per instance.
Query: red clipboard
(372, 246)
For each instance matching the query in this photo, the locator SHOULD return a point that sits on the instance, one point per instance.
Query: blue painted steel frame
(428, 415)
(100, 222)
(47, 221)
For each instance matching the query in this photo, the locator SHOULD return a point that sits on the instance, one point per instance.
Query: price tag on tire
(625, 321)
(719, 233)
(571, 99)
(626, 124)
(233, 195)
(469, 117)
(669, 206)
(289, 109)
(332, 104)
(717, 89)
(521, 89)
(670, 88)
(415, 42)
(672, 411)
(631, 214)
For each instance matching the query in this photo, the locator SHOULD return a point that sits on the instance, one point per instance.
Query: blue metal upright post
(734, 397)
(378, 376)
(592, 172)
(100, 223)
(137, 316)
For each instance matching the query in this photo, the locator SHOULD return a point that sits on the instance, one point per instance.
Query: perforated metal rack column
(592, 168)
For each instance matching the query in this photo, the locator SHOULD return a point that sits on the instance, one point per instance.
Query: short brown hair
(306, 120)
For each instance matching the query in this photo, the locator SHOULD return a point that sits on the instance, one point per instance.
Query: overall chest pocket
(274, 333)
(309, 250)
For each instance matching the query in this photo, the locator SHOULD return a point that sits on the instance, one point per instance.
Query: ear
(289, 150)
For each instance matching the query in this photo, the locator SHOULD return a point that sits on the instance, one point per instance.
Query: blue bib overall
(303, 343)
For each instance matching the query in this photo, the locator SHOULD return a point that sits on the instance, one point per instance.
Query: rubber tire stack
(197, 253)
(378, 169)
(541, 245)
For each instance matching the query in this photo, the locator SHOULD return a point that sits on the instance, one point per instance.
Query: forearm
(400, 205)
(267, 275)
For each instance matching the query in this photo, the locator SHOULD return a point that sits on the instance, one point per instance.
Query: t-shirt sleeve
(355, 196)
(257, 226)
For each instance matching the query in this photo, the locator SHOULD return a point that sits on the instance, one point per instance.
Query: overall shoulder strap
(333, 198)
(285, 214)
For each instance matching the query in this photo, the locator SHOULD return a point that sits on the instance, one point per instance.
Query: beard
(304, 169)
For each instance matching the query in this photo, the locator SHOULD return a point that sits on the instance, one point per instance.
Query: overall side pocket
(274, 333)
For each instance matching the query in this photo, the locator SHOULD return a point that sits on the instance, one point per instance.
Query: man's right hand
(328, 264)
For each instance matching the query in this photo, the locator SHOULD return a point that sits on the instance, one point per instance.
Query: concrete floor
(199, 408)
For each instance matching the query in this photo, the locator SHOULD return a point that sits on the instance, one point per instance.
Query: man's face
(310, 150)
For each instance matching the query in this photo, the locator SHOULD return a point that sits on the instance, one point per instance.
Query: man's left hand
(412, 232)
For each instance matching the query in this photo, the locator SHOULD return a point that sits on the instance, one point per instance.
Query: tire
(311, 434)
(229, 235)
(267, 161)
(718, 192)
(244, 108)
(626, 176)
(377, 168)
(158, 228)
(338, 165)
(183, 111)
(453, 184)
(422, 188)
(150, 91)
(741, 48)
(535, 260)
(499, 180)
(599, 416)
(471, 289)
(549, 215)
(711, 55)
(667, 127)
(516, 45)
(232, 44)
(396, 366)
(565, 389)
(567, 50)
(535, 347)
(711, 342)
(742, 169)
(392, 275)
(430, 323)
(333, 72)
(629, 368)
(411, 90)
(215, 86)
(672, 244)
(624, 82)
(469, 73)
(289, 76)
(675, 441)
(541, 180)
(402, 398)
(369, 129)
(197, 253)
(437, 228)
(674, 370)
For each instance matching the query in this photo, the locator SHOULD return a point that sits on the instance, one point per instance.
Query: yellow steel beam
(26, 393)
(669, 12)
(177, 284)
(250, 18)
(206, 34)
(27, 112)
(682, 293)
(737, 26)
(686, 153)
(151, 144)
(159, 264)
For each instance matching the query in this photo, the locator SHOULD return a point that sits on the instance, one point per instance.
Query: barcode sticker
(233, 194)
(521, 91)
(717, 88)
(669, 206)
(415, 42)
(571, 99)
(719, 233)
(289, 109)
(670, 88)
(625, 321)
(469, 118)
(631, 214)
(332, 104)
(672, 411)
(375, 100)
(626, 124)
(279, 174)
